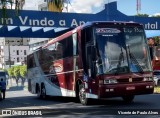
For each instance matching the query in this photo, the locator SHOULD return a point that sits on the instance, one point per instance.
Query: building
(35, 43)
(42, 6)
(13, 51)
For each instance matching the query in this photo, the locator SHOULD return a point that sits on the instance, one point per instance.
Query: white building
(13, 51)
(35, 43)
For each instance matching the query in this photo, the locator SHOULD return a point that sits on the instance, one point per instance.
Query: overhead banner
(43, 19)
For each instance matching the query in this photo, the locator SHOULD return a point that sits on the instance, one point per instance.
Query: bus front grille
(128, 80)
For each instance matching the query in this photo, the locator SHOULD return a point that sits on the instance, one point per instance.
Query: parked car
(156, 77)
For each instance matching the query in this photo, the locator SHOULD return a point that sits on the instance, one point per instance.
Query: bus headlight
(110, 81)
(147, 79)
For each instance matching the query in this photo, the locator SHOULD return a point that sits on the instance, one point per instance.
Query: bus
(97, 60)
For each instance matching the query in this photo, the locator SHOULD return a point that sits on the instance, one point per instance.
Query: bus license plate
(130, 88)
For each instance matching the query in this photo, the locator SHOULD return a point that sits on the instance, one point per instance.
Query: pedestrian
(3, 87)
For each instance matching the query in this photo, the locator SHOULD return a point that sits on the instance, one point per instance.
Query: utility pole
(9, 58)
(138, 6)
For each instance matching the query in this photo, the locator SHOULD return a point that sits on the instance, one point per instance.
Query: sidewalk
(12, 86)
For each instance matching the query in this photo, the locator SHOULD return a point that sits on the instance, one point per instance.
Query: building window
(17, 59)
(25, 53)
(17, 52)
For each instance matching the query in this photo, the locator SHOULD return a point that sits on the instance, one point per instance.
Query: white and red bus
(95, 61)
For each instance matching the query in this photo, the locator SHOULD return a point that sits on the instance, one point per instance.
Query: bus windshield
(122, 50)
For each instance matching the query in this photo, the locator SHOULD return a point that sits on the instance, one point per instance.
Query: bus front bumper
(115, 90)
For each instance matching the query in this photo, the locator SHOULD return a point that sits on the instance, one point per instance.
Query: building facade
(13, 51)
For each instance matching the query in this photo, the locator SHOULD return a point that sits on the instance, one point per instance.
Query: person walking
(3, 87)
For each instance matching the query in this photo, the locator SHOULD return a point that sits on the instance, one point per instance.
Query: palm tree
(53, 5)
(56, 5)
(8, 4)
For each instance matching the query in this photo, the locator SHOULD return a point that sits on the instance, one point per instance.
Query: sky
(127, 7)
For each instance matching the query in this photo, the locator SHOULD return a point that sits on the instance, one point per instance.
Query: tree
(10, 72)
(56, 5)
(23, 73)
(156, 40)
(4, 6)
(142, 15)
(156, 16)
(17, 73)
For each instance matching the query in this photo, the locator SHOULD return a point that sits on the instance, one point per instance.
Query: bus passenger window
(59, 51)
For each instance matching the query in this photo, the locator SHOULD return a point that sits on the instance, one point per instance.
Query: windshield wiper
(121, 57)
(132, 57)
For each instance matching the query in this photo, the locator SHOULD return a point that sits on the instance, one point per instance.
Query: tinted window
(156, 73)
(58, 50)
(30, 61)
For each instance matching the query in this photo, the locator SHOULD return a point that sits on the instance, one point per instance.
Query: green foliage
(23, 71)
(16, 71)
(142, 15)
(157, 16)
(11, 71)
(58, 3)
(157, 89)
(156, 40)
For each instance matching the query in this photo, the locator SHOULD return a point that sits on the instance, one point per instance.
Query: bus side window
(40, 57)
(59, 51)
(31, 62)
(88, 35)
(68, 47)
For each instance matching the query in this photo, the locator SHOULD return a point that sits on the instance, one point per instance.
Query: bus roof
(65, 35)
(131, 23)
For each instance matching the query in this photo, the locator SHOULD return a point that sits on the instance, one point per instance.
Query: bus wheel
(128, 99)
(38, 91)
(43, 91)
(82, 95)
(0, 96)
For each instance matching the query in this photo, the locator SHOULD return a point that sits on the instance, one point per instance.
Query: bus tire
(38, 91)
(82, 95)
(0, 95)
(128, 99)
(43, 91)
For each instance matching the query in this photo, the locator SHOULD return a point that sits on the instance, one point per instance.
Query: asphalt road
(18, 98)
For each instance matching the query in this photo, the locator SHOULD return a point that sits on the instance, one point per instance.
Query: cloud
(77, 6)
(156, 14)
(31, 5)
(86, 6)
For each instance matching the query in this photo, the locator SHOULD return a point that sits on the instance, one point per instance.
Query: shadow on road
(67, 103)
(16, 88)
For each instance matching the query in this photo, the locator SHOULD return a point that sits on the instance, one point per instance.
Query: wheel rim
(43, 92)
(82, 95)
